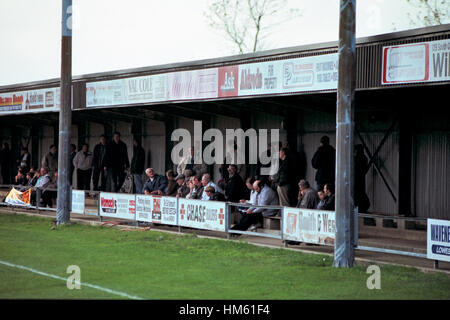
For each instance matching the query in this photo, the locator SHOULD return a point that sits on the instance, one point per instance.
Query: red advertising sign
(228, 81)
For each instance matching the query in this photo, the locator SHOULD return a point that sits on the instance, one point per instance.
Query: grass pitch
(156, 265)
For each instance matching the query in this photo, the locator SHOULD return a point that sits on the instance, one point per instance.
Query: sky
(113, 35)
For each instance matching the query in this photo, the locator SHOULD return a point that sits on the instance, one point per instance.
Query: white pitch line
(65, 279)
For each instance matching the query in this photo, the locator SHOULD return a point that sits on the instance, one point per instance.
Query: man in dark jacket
(5, 163)
(115, 163)
(284, 178)
(235, 188)
(361, 163)
(73, 153)
(324, 161)
(156, 184)
(137, 165)
(330, 201)
(97, 165)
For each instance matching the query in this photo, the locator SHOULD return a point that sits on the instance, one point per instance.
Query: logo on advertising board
(182, 212)
(251, 80)
(438, 239)
(297, 75)
(36, 100)
(156, 212)
(228, 81)
(108, 205)
(13, 103)
(132, 206)
(49, 99)
(221, 216)
(291, 225)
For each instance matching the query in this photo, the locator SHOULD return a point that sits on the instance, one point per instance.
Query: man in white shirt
(206, 182)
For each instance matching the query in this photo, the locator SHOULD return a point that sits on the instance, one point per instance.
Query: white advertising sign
(117, 205)
(30, 101)
(208, 215)
(310, 226)
(156, 209)
(78, 201)
(438, 239)
(418, 62)
(260, 78)
(196, 84)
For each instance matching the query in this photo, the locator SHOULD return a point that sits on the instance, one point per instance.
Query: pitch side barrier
(300, 225)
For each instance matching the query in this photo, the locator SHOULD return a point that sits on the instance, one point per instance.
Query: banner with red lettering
(117, 205)
(208, 215)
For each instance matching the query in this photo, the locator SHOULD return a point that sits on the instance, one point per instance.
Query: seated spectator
(156, 184)
(235, 188)
(191, 186)
(206, 182)
(183, 189)
(20, 178)
(266, 196)
(308, 198)
(197, 192)
(172, 185)
(42, 182)
(329, 192)
(50, 192)
(213, 195)
(253, 194)
(322, 199)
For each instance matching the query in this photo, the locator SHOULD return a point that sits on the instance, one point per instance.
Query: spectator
(156, 184)
(322, 199)
(284, 177)
(183, 189)
(213, 195)
(266, 196)
(172, 185)
(73, 153)
(187, 163)
(253, 194)
(206, 182)
(5, 163)
(49, 193)
(324, 161)
(83, 164)
(197, 193)
(308, 197)
(361, 165)
(42, 182)
(235, 188)
(191, 186)
(115, 163)
(50, 160)
(20, 178)
(137, 165)
(329, 192)
(97, 165)
(24, 160)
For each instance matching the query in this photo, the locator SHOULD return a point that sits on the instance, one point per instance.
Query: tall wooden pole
(65, 117)
(343, 245)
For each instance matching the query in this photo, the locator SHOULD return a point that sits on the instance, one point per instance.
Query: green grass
(156, 265)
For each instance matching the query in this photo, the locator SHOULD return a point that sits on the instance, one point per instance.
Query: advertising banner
(156, 209)
(419, 62)
(310, 226)
(78, 201)
(30, 101)
(117, 205)
(438, 239)
(228, 81)
(208, 215)
(196, 84)
(260, 78)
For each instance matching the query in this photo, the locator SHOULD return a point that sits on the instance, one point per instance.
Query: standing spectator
(361, 163)
(324, 160)
(5, 163)
(187, 163)
(50, 160)
(235, 188)
(24, 160)
(284, 178)
(266, 197)
(156, 184)
(115, 163)
(172, 185)
(73, 153)
(308, 197)
(137, 165)
(83, 164)
(206, 182)
(329, 192)
(97, 165)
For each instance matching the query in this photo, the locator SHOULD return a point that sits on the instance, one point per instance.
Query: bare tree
(247, 23)
(430, 13)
